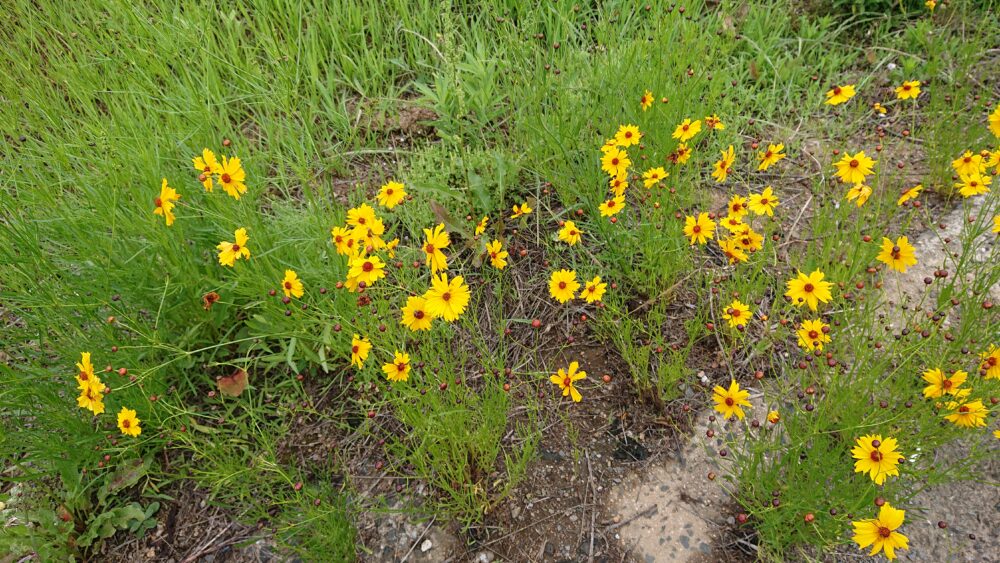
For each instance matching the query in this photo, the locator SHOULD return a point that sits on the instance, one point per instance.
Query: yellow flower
(879, 108)
(773, 417)
(909, 90)
(771, 156)
(481, 226)
(360, 347)
(931, 4)
(291, 285)
(728, 402)
(996, 224)
(723, 165)
(365, 269)
(647, 100)
(700, 230)
(570, 233)
(593, 290)
(813, 334)
(436, 240)
(498, 256)
(876, 457)
(390, 247)
(391, 194)
(909, 194)
(764, 202)
(968, 164)
(128, 422)
(880, 533)
(967, 414)
(615, 162)
(975, 184)
(91, 399)
(840, 94)
(612, 206)
(563, 285)
(447, 300)
(748, 238)
(687, 130)
(415, 315)
(859, 193)
(520, 210)
(361, 216)
(229, 252)
(165, 203)
(343, 239)
(627, 136)
(86, 378)
(898, 256)
(653, 176)
(994, 120)
(809, 290)
(231, 176)
(399, 368)
(681, 154)
(738, 313)
(854, 169)
(737, 206)
(566, 379)
(941, 384)
(731, 248)
(207, 166)
(619, 184)
(993, 159)
(713, 122)
(990, 362)
(733, 222)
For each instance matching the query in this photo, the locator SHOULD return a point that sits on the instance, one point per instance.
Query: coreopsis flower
(968, 164)
(996, 224)
(593, 290)
(415, 315)
(627, 136)
(399, 368)
(942, 384)
(909, 193)
(232, 176)
(880, 533)
(615, 162)
(520, 210)
(749, 239)
(85, 377)
(967, 414)
(809, 289)
(773, 417)
(481, 225)
(647, 100)
(879, 108)
(813, 334)
(229, 252)
(360, 347)
(737, 205)
(713, 122)
(972, 185)
(737, 313)
(771, 156)
(723, 165)
(994, 121)
(365, 269)
(164, 204)
(570, 233)
(899, 255)
(730, 401)
(436, 240)
(91, 399)
(343, 239)
(763, 203)
(619, 184)
(687, 130)
(930, 4)
(908, 90)
(292, 285)
(128, 422)
(608, 145)
(993, 160)
(854, 169)
(563, 285)
(859, 194)
(733, 251)
(391, 194)
(990, 360)
(681, 154)
(611, 207)
(498, 256)
(207, 166)
(653, 176)
(700, 230)
(733, 222)
(447, 299)
(390, 247)
(361, 216)
(840, 94)
(566, 380)
(876, 457)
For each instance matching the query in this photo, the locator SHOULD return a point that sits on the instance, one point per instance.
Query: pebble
(426, 546)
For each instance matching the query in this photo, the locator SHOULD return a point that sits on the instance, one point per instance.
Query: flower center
(729, 401)
(628, 134)
(126, 423)
(400, 367)
(813, 334)
(906, 87)
(446, 296)
(158, 202)
(991, 361)
(685, 127)
(767, 155)
(567, 382)
(562, 285)
(884, 532)
(946, 384)
(837, 91)
(493, 255)
(808, 288)
(208, 169)
(236, 248)
(876, 455)
(367, 266)
(288, 285)
(967, 159)
(855, 163)
(226, 178)
(429, 248)
(963, 409)
(696, 229)
(354, 349)
(418, 315)
(614, 162)
(763, 201)
(611, 203)
(572, 233)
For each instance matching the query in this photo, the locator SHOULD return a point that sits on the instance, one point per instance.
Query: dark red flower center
(288, 285)
(967, 159)
(696, 229)
(685, 127)
(991, 361)
(367, 266)
(836, 91)
(628, 134)
(400, 367)
(855, 163)
(226, 178)
(808, 288)
(763, 201)
(884, 532)
(158, 202)
(418, 314)
(562, 285)
(947, 384)
(567, 382)
(429, 248)
(876, 455)
(611, 203)
(236, 248)
(354, 349)
(614, 161)
(906, 87)
(388, 191)
(767, 155)
(729, 401)
(813, 334)
(446, 296)
(963, 409)
(126, 423)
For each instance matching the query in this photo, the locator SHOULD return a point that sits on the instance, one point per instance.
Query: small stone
(426, 546)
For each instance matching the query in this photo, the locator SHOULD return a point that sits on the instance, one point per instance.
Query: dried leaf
(233, 385)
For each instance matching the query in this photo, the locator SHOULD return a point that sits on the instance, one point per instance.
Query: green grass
(100, 100)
